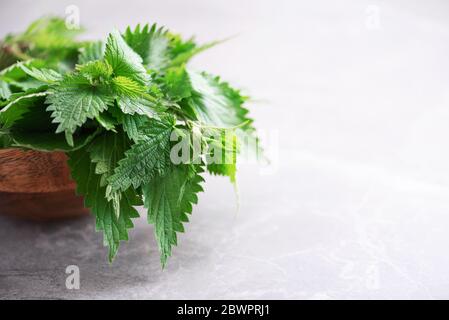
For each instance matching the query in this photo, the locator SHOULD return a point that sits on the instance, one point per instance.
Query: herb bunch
(119, 109)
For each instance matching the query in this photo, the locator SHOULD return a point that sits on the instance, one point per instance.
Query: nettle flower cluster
(138, 126)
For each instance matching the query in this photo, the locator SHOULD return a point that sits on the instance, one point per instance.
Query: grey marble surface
(356, 201)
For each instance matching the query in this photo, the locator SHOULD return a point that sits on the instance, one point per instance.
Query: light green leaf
(140, 106)
(123, 60)
(95, 71)
(132, 124)
(215, 103)
(91, 51)
(177, 83)
(132, 98)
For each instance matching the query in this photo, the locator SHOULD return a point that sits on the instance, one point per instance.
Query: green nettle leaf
(106, 151)
(177, 83)
(29, 126)
(139, 127)
(90, 186)
(18, 107)
(16, 77)
(150, 43)
(140, 106)
(158, 43)
(125, 86)
(74, 101)
(44, 75)
(160, 49)
(107, 121)
(132, 98)
(91, 52)
(15, 72)
(123, 60)
(169, 198)
(146, 158)
(133, 124)
(5, 92)
(215, 103)
(95, 71)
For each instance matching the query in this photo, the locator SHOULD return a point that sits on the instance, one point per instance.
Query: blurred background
(352, 101)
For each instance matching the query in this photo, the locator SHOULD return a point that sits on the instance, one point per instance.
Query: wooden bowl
(37, 185)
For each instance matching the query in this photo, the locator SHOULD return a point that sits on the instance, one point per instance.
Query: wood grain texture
(37, 185)
(34, 171)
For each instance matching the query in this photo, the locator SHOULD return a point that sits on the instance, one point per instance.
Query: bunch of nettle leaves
(139, 127)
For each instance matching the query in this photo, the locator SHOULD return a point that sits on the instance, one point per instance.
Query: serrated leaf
(74, 101)
(161, 49)
(146, 158)
(95, 71)
(169, 198)
(141, 106)
(106, 151)
(89, 185)
(15, 72)
(123, 60)
(132, 124)
(44, 75)
(16, 77)
(215, 103)
(151, 44)
(119, 102)
(132, 98)
(125, 86)
(91, 52)
(19, 94)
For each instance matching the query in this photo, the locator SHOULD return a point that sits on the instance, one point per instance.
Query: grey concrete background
(356, 203)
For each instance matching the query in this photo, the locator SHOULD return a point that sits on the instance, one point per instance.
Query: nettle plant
(138, 126)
